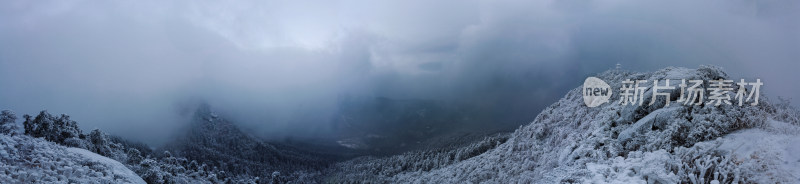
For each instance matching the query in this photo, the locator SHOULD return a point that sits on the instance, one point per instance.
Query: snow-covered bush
(78, 143)
(638, 167)
(785, 112)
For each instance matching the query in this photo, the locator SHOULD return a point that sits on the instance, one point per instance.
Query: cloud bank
(280, 67)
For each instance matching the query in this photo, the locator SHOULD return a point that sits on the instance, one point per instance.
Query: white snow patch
(117, 168)
(639, 167)
(24, 159)
(785, 148)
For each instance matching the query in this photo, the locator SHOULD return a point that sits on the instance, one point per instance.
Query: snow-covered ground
(778, 143)
(24, 159)
(117, 169)
(772, 151)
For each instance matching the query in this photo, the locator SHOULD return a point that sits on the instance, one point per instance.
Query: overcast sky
(122, 66)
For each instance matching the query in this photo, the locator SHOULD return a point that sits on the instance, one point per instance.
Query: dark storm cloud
(280, 67)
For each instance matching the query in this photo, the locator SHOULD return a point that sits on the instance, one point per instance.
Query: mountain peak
(613, 142)
(204, 112)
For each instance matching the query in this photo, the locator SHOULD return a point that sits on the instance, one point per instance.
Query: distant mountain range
(568, 142)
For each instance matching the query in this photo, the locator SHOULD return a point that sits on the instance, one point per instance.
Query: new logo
(595, 92)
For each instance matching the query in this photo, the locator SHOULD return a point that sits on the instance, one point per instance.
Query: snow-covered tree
(8, 123)
(99, 142)
(134, 156)
(51, 128)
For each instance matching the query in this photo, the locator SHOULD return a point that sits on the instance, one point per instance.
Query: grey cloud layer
(279, 66)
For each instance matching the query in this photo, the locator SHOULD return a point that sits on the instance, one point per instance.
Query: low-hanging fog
(284, 68)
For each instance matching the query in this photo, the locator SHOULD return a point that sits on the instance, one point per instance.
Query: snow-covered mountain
(219, 143)
(570, 142)
(41, 155)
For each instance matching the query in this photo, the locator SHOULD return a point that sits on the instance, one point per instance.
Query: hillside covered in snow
(53, 149)
(24, 159)
(568, 142)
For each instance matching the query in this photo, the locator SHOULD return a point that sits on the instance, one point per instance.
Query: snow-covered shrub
(785, 112)
(638, 167)
(78, 143)
(705, 162)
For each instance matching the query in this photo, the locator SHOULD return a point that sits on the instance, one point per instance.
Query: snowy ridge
(569, 142)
